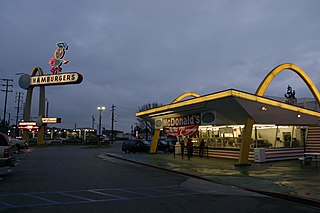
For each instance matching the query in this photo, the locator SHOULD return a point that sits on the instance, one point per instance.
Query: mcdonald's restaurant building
(239, 125)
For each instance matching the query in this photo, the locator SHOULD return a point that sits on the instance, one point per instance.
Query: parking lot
(82, 179)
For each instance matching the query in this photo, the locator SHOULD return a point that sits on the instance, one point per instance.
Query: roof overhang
(234, 107)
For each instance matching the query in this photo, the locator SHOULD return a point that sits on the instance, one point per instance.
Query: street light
(100, 109)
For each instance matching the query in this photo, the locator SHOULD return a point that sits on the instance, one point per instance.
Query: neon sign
(58, 60)
(30, 125)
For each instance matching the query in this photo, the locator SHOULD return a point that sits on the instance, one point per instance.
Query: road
(80, 179)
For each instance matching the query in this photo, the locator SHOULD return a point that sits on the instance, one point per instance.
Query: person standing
(201, 147)
(182, 148)
(189, 148)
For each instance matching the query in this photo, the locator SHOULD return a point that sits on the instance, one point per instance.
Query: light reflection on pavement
(286, 177)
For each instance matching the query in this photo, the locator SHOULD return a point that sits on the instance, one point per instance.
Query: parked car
(54, 141)
(135, 146)
(19, 144)
(71, 140)
(33, 140)
(105, 139)
(6, 151)
(165, 145)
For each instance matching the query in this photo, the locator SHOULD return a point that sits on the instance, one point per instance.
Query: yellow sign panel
(51, 120)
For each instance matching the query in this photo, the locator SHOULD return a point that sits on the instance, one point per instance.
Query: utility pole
(7, 85)
(9, 119)
(112, 122)
(19, 96)
(93, 122)
(18, 101)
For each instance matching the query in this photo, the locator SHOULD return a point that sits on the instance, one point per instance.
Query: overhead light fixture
(161, 113)
(298, 115)
(263, 108)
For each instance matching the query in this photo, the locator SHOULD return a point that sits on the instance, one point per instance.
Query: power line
(6, 90)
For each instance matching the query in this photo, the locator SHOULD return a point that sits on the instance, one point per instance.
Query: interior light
(299, 116)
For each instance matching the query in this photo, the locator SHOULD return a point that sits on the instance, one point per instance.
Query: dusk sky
(133, 52)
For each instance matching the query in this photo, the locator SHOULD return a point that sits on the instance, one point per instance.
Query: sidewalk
(281, 178)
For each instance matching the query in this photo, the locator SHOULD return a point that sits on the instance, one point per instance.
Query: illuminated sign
(27, 123)
(51, 120)
(181, 121)
(31, 125)
(58, 60)
(48, 80)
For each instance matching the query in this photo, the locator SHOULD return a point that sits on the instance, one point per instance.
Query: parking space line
(7, 204)
(75, 196)
(137, 193)
(40, 198)
(129, 192)
(106, 194)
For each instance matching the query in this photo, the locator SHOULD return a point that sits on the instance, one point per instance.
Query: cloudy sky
(133, 52)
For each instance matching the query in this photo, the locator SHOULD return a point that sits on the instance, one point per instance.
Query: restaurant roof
(234, 106)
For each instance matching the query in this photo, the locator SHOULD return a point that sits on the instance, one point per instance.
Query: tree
(145, 125)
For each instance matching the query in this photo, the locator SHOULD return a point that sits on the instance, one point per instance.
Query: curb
(288, 197)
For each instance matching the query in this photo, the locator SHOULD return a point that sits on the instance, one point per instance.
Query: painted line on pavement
(130, 192)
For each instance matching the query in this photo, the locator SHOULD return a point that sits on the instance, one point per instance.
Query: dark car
(6, 151)
(71, 140)
(135, 146)
(165, 145)
(33, 140)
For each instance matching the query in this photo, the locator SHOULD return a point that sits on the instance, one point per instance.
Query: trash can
(177, 149)
(259, 155)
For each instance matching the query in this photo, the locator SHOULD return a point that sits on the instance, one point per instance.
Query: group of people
(190, 148)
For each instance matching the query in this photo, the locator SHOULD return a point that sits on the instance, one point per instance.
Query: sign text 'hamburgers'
(56, 79)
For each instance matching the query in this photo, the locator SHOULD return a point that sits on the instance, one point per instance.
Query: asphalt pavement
(103, 179)
(284, 179)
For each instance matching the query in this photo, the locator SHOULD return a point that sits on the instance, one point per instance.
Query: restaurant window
(267, 136)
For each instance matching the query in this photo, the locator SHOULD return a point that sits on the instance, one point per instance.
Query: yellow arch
(27, 108)
(267, 80)
(246, 136)
(36, 70)
(187, 94)
(153, 148)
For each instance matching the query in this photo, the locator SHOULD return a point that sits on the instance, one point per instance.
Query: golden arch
(27, 108)
(267, 80)
(245, 141)
(153, 148)
(187, 94)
